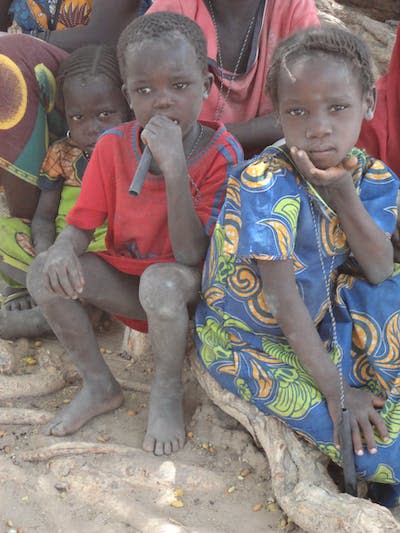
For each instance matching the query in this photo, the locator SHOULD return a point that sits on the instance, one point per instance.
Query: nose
(162, 100)
(318, 126)
(94, 128)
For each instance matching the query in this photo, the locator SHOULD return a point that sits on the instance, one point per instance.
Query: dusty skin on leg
(167, 292)
(107, 289)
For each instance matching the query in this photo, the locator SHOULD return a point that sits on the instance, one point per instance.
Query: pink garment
(380, 137)
(277, 20)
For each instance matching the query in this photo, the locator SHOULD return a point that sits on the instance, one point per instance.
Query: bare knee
(34, 280)
(167, 288)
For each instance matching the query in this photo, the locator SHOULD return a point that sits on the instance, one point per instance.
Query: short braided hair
(160, 26)
(330, 40)
(87, 62)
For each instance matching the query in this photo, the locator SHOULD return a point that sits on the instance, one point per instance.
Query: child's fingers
(377, 421)
(302, 161)
(377, 402)
(350, 162)
(356, 437)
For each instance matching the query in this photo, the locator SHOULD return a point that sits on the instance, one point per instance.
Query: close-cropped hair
(330, 40)
(88, 62)
(162, 26)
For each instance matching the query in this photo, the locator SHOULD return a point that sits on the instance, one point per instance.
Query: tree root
(66, 449)
(46, 380)
(299, 478)
(134, 385)
(38, 384)
(15, 416)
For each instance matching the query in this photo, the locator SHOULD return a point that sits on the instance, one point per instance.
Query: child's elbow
(378, 276)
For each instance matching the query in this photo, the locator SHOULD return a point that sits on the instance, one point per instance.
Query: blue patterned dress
(271, 213)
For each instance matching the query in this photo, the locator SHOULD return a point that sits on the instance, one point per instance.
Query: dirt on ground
(99, 480)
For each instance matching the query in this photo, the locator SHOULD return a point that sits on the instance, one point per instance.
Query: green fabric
(16, 247)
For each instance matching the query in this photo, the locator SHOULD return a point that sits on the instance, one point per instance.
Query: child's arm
(44, 220)
(288, 308)
(368, 243)
(188, 238)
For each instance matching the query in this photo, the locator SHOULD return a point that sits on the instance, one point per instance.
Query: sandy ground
(220, 479)
(219, 482)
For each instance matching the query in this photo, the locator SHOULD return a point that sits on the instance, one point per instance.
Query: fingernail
(337, 446)
(373, 451)
(359, 453)
(386, 439)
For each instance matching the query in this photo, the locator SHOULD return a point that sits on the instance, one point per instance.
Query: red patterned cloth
(381, 136)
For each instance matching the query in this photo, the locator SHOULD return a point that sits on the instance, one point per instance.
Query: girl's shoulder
(271, 162)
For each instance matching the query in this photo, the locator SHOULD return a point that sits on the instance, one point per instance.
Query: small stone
(132, 412)
(102, 350)
(25, 498)
(271, 507)
(61, 487)
(38, 344)
(245, 472)
(257, 507)
(103, 437)
(178, 492)
(231, 489)
(190, 434)
(9, 523)
(176, 503)
(29, 361)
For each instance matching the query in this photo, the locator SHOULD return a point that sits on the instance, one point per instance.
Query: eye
(143, 90)
(180, 85)
(298, 112)
(105, 114)
(338, 107)
(76, 117)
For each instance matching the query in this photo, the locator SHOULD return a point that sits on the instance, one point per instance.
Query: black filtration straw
(141, 172)
(346, 444)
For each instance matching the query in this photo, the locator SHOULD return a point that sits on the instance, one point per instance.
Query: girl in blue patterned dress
(300, 291)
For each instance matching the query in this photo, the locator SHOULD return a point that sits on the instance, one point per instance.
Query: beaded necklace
(224, 92)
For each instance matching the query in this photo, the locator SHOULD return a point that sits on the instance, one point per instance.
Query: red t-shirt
(137, 233)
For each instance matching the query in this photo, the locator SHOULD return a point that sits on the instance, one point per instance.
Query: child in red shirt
(149, 274)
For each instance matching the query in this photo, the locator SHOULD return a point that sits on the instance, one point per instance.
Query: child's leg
(107, 289)
(166, 293)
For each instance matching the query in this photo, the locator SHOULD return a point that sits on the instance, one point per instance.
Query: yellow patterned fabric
(271, 213)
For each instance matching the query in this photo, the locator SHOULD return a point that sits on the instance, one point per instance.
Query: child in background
(280, 321)
(89, 87)
(149, 275)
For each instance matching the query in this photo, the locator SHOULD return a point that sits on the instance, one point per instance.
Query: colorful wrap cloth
(28, 119)
(271, 213)
(64, 166)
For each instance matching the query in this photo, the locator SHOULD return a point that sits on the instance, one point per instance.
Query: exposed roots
(300, 481)
(14, 416)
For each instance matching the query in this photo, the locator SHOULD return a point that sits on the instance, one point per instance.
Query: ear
(370, 100)
(208, 81)
(126, 95)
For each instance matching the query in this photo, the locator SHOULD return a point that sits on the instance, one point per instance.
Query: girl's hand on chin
(332, 177)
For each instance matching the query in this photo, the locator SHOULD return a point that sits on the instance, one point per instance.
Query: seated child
(149, 275)
(280, 324)
(89, 86)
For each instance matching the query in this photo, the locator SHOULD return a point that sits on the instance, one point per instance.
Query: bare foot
(27, 323)
(91, 401)
(16, 299)
(165, 428)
